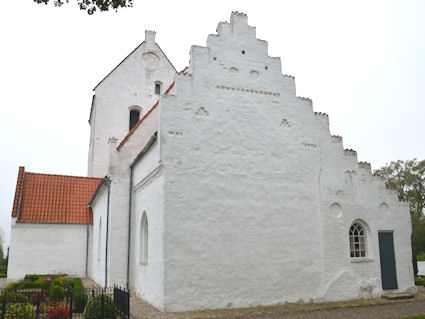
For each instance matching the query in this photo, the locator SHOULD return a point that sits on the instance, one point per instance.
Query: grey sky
(362, 62)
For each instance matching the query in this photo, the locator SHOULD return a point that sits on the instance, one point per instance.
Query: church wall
(148, 277)
(98, 251)
(251, 176)
(239, 201)
(132, 84)
(119, 173)
(349, 192)
(47, 249)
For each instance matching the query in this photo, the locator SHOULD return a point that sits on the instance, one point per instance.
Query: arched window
(357, 236)
(144, 237)
(134, 118)
(158, 87)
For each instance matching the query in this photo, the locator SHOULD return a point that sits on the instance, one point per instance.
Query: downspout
(107, 234)
(130, 197)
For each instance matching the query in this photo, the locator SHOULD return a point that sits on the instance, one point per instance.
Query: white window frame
(358, 241)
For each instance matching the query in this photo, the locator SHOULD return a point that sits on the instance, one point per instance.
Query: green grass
(415, 317)
(420, 281)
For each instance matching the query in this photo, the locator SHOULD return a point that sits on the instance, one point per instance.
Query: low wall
(47, 249)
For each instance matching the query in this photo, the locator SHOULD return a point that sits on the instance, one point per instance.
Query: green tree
(408, 179)
(92, 6)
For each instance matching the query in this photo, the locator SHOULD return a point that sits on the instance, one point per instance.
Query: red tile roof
(125, 139)
(45, 198)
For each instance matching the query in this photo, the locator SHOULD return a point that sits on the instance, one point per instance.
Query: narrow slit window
(134, 118)
(144, 237)
(157, 88)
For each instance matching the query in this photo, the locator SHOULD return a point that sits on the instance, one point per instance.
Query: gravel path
(389, 311)
(360, 309)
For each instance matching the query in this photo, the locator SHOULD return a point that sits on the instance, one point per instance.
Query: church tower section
(123, 97)
(262, 205)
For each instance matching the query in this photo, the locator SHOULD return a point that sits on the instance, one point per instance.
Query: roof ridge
(72, 176)
(118, 65)
(129, 56)
(125, 139)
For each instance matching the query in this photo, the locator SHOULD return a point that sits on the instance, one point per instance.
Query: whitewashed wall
(98, 239)
(148, 279)
(259, 198)
(131, 84)
(119, 172)
(421, 268)
(47, 249)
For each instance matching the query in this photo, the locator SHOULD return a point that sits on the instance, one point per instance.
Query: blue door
(387, 257)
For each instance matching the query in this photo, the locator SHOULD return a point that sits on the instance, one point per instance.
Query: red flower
(37, 295)
(59, 313)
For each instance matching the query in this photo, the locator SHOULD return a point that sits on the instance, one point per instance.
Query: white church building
(214, 187)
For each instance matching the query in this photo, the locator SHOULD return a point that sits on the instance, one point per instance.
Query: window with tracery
(357, 236)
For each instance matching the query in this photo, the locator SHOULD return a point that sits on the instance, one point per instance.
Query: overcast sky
(362, 62)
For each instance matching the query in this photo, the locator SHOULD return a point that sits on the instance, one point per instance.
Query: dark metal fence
(88, 303)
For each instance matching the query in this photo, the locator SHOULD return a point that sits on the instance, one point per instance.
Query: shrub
(93, 308)
(59, 313)
(22, 285)
(56, 293)
(13, 297)
(420, 281)
(36, 277)
(80, 299)
(420, 257)
(20, 310)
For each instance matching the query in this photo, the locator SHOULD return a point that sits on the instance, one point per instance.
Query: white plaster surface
(98, 239)
(249, 198)
(148, 279)
(131, 84)
(421, 268)
(259, 198)
(47, 249)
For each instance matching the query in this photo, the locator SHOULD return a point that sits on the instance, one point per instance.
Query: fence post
(39, 296)
(4, 305)
(92, 293)
(102, 310)
(70, 301)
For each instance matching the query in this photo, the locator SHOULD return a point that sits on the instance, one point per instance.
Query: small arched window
(134, 118)
(158, 87)
(144, 237)
(357, 236)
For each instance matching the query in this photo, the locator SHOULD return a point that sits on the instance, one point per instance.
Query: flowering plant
(58, 313)
(37, 296)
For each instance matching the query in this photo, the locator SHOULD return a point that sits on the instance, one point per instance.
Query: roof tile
(46, 198)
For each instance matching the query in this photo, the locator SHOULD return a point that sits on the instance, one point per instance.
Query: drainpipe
(107, 233)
